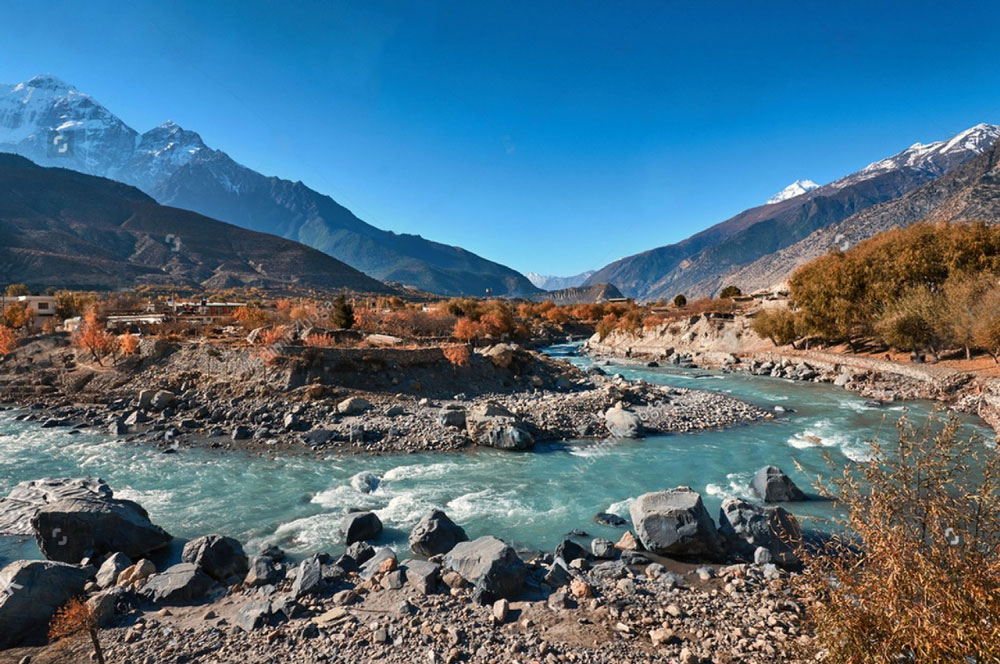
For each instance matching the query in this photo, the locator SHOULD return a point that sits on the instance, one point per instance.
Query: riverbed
(528, 499)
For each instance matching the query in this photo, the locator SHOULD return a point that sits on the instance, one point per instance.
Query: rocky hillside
(580, 294)
(60, 228)
(969, 193)
(707, 261)
(53, 124)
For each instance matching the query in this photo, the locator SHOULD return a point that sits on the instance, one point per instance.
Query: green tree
(777, 324)
(342, 314)
(730, 292)
(680, 300)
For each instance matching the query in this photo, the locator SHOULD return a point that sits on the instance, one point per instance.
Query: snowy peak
(796, 188)
(936, 158)
(46, 82)
(551, 283)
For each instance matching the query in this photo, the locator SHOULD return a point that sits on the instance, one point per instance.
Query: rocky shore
(680, 588)
(345, 401)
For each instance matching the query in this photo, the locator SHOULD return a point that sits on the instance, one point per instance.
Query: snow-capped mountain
(551, 283)
(796, 188)
(54, 124)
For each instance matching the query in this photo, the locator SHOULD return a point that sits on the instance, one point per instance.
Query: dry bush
(467, 330)
(77, 617)
(272, 336)
(252, 317)
(458, 356)
(93, 336)
(321, 341)
(914, 575)
(128, 344)
(8, 340)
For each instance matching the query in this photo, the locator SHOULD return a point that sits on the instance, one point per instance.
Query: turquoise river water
(530, 499)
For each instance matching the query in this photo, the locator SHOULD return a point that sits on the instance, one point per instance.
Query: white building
(43, 306)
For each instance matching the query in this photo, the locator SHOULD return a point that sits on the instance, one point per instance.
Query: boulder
(31, 591)
(623, 423)
(308, 578)
(569, 551)
(435, 533)
(502, 356)
(360, 527)
(94, 525)
(360, 552)
(253, 615)
(422, 576)
(610, 519)
(25, 499)
(490, 565)
(116, 563)
(353, 406)
(162, 400)
(603, 548)
(241, 432)
(772, 485)
(365, 482)
(452, 418)
(180, 584)
(747, 527)
(492, 425)
(675, 523)
(222, 558)
(262, 571)
(375, 563)
(136, 574)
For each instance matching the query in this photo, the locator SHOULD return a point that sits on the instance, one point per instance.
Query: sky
(553, 137)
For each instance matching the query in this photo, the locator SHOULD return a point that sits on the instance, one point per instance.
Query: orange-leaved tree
(8, 340)
(77, 617)
(94, 337)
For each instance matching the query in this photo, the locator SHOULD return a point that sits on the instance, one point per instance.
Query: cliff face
(694, 335)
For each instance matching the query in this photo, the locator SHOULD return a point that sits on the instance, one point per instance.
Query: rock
(360, 526)
(569, 551)
(580, 589)
(557, 575)
(136, 574)
(609, 519)
(375, 564)
(423, 576)
(492, 425)
(622, 423)
(501, 355)
(103, 605)
(452, 418)
(308, 578)
(489, 564)
(353, 406)
(762, 556)
(365, 482)
(253, 615)
(177, 585)
(771, 485)
(675, 522)
(95, 524)
(25, 499)
(117, 427)
(116, 563)
(394, 580)
(222, 558)
(627, 542)
(136, 417)
(162, 400)
(30, 593)
(557, 600)
(241, 432)
(603, 548)
(361, 552)
(435, 533)
(747, 527)
(501, 608)
(262, 572)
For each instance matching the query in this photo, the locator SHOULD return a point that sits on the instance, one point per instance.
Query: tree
(963, 308)
(8, 340)
(77, 617)
(467, 330)
(776, 324)
(252, 316)
(730, 292)
(17, 290)
(128, 344)
(94, 337)
(986, 327)
(18, 315)
(913, 322)
(680, 300)
(342, 314)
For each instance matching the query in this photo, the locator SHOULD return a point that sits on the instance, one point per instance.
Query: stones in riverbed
(490, 565)
(748, 527)
(178, 585)
(603, 548)
(365, 482)
(610, 519)
(623, 423)
(422, 576)
(435, 533)
(353, 406)
(360, 527)
(262, 571)
(32, 591)
(492, 425)
(116, 563)
(676, 523)
(772, 485)
(222, 558)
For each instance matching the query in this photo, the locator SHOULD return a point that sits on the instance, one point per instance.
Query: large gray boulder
(772, 485)
(422, 575)
(25, 499)
(222, 558)
(373, 564)
(492, 425)
(31, 591)
(676, 523)
(180, 584)
(623, 423)
(116, 563)
(262, 571)
(746, 527)
(435, 533)
(490, 565)
(95, 524)
(308, 578)
(360, 527)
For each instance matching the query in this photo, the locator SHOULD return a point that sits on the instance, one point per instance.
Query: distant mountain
(550, 283)
(65, 229)
(707, 261)
(580, 294)
(53, 124)
(970, 192)
(796, 188)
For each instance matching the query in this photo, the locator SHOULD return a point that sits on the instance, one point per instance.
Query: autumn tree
(18, 315)
(93, 336)
(777, 324)
(986, 326)
(128, 344)
(17, 290)
(252, 316)
(913, 321)
(77, 617)
(8, 340)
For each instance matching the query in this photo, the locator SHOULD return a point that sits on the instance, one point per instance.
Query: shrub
(342, 314)
(128, 344)
(458, 356)
(8, 340)
(77, 617)
(252, 316)
(730, 292)
(606, 325)
(18, 315)
(92, 336)
(914, 573)
(680, 300)
(17, 290)
(467, 330)
(775, 324)
(272, 336)
(321, 341)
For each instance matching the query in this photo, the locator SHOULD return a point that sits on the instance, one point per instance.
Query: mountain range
(550, 283)
(65, 229)
(54, 124)
(707, 261)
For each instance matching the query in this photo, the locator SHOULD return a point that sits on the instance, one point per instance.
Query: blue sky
(550, 136)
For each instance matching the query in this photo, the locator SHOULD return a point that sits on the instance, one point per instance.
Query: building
(203, 311)
(42, 306)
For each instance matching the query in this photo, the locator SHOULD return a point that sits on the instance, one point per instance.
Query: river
(530, 499)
